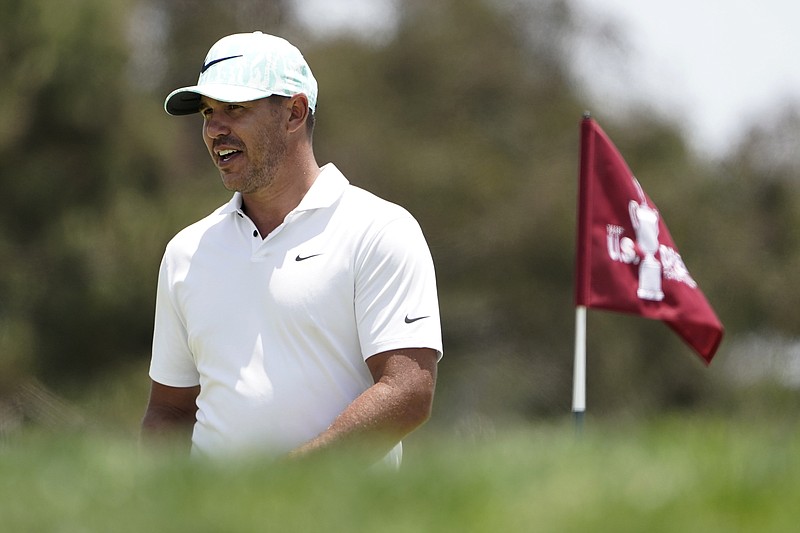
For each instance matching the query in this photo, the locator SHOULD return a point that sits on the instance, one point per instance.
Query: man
(302, 315)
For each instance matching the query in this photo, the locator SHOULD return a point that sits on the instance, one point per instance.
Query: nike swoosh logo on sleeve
(412, 320)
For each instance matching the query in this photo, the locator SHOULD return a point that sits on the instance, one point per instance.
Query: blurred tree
(757, 196)
(59, 100)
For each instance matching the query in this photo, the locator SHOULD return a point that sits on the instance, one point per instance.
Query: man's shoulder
(363, 203)
(190, 236)
(355, 202)
(372, 221)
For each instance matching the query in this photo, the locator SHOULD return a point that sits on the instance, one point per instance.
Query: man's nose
(215, 126)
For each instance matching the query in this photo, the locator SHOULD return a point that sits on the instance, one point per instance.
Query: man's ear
(298, 112)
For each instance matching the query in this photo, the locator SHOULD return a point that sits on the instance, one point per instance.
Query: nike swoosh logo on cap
(412, 320)
(212, 63)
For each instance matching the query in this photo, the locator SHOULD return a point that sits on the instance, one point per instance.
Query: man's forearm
(375, 421)
(167, 426)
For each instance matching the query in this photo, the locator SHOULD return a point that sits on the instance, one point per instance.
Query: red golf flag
(626, 259)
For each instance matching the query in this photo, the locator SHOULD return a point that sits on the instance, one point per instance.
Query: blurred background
(464, 111)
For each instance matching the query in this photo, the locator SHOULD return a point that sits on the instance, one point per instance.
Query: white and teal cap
(244, 67)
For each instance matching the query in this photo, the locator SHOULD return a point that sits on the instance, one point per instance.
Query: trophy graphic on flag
(645, 223)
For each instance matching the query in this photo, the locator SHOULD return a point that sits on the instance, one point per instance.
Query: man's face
(247, 141)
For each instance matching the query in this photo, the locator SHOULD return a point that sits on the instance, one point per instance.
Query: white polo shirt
(276, 331)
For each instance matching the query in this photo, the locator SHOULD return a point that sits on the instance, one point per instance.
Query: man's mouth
(226, 155)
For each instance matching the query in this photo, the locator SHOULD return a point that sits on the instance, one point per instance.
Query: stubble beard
(265, 159)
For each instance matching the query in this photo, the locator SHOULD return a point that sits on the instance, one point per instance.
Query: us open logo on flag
(655, 260)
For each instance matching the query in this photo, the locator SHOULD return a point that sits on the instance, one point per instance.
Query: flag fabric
(626, 258)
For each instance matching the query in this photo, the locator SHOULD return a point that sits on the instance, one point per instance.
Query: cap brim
(186, 100)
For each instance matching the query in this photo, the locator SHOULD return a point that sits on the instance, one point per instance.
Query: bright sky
(715, 66)
(718, 64)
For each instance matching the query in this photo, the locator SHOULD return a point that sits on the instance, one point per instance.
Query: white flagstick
(579, 371)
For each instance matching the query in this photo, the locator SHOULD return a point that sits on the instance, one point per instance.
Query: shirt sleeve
(172, 363)
(396, 301)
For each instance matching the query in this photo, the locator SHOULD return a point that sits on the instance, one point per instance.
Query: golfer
(302, 315)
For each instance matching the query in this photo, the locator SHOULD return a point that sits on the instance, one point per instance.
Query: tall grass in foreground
(673, 475)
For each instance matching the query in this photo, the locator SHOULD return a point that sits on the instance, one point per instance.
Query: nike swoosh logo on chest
(298, 258)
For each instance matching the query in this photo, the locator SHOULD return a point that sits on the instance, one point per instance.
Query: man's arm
(170, 415)
(399, 402)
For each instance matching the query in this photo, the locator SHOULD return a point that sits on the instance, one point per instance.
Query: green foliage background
(467, 114)
(677, 475)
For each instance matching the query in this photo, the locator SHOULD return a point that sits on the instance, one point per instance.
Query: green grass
(676, 474)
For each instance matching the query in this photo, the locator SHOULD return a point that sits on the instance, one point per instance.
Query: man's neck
(268, 207)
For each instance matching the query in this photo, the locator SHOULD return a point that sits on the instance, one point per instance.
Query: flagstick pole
(579, 370)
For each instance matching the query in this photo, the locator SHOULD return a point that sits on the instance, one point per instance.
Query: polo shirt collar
(326, 189)
(233, 206)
